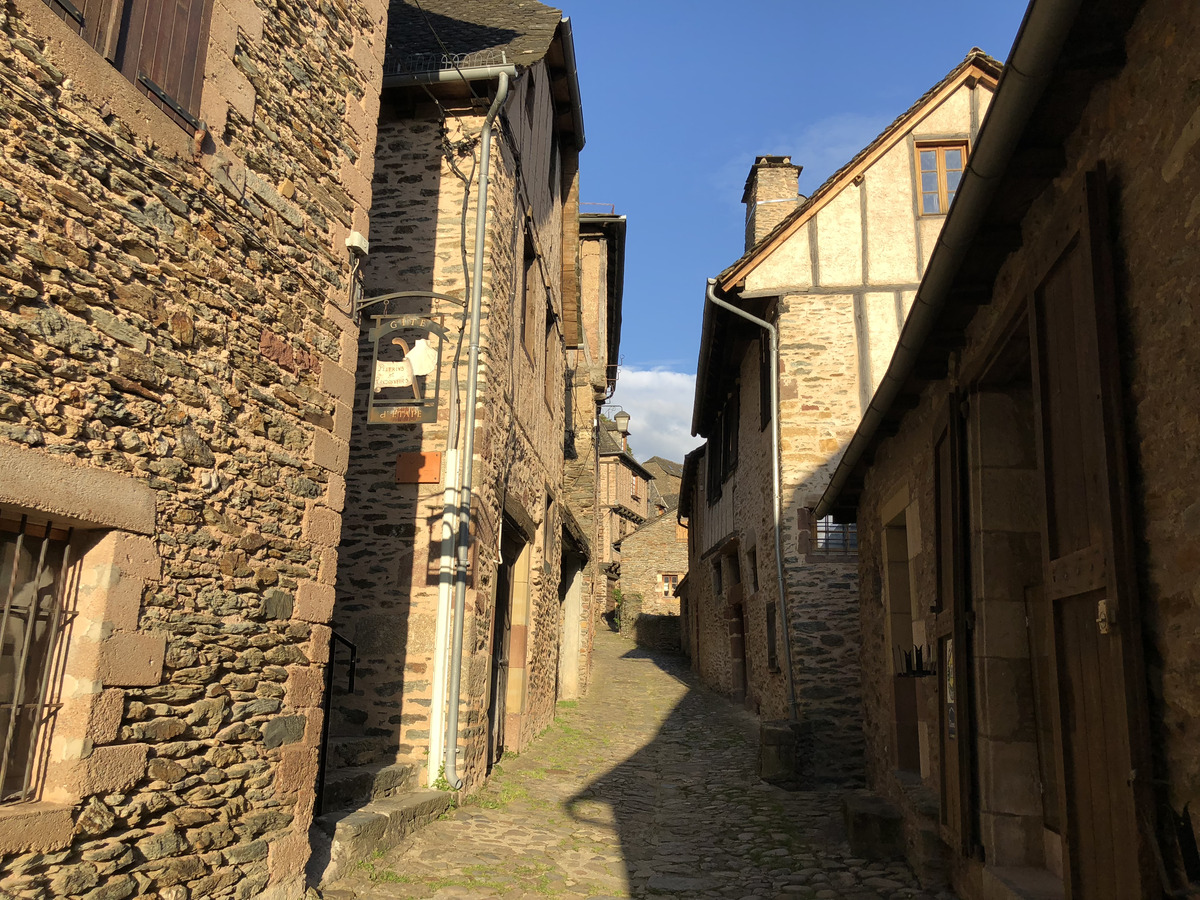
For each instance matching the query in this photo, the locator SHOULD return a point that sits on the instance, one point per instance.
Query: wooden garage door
(1086, 557)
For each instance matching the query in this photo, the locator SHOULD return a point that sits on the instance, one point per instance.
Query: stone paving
(646, 788)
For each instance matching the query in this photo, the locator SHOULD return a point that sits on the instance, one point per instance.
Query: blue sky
(678, 99)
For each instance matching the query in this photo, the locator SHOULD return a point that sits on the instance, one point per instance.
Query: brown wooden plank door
(958, 816)
(1086, 557)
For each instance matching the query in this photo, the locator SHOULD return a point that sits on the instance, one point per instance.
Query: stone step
(344, 751)
(341, 840)
(353, 786)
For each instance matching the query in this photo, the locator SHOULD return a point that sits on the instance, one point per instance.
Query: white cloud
(659, 403)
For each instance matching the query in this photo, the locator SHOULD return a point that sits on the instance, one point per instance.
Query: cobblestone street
(645, 788)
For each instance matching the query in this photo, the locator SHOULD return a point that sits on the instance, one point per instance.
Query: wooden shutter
(1086, 550)
(163, 50)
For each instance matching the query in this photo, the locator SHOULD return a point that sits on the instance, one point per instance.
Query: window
(729, 434)
(529, 307)
(670, 581)
(835, 538)
(772, 652)
(940, 169)
(635, 488)
(552, 354)
(764, 380)
(752, 565)
(712, 472)
(160, 47)
(34, 570)
(681, 532)
(717, 581)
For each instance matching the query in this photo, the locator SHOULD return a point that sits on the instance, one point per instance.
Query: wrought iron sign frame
(405, 366)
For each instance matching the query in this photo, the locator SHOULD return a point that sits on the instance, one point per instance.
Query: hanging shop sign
(406, 369)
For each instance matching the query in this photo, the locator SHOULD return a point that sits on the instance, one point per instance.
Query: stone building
(176, 369)
(593, 345)
(654, 560)
(1024, 484)
(664, 489)
(835, 275)
(475, 94)
(624, 499)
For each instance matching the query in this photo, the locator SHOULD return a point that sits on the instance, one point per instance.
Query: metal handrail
(326, 705)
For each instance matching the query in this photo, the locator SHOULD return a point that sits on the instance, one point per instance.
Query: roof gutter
(568, 42)
(447, 76)
(1028, 71)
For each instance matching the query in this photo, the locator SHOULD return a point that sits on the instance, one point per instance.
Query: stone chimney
(771, 193)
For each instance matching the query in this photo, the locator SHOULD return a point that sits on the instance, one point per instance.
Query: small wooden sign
(418, 468)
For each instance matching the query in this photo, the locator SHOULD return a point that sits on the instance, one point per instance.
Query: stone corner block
(338, 382)
(115, 768)
(128, 660)
(329, 452)
(335, 492)
(322, 526)
(314, 602)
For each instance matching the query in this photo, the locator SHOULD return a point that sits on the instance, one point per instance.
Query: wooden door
(510, 552)
(956, 735)
(1086, 558)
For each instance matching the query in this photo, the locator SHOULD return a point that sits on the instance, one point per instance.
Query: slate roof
(670, 468)
(974, 57)
(610, 445)
(472, 32)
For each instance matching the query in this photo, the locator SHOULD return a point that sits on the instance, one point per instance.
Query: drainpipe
(453, 475)
(468, 456)
(776, 491)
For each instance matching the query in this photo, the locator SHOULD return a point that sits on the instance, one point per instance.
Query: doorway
(512, 585)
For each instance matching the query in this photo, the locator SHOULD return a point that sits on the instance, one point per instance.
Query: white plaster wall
(839, 240)
(951, 116)
(882, 331)
(788, 265)
(891, 240)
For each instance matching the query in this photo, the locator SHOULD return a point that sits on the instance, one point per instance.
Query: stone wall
(659, 547)
(173, 335)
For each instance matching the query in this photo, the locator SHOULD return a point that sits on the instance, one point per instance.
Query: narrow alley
(645, 788)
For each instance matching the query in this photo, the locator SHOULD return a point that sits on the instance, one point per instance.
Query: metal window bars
(35, 582)
(835, 538)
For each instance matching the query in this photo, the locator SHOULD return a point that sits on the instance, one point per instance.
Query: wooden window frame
(939, 148)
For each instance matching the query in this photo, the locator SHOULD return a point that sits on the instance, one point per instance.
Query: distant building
(836, 274)
(624, 500)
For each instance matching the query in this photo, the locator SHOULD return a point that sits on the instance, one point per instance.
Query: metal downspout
(776, 489)
(441, 634)
(468, 456)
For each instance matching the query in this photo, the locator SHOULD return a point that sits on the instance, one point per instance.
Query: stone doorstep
(343, 839)
(351, 787)
(356, 750)
(1005, 883)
